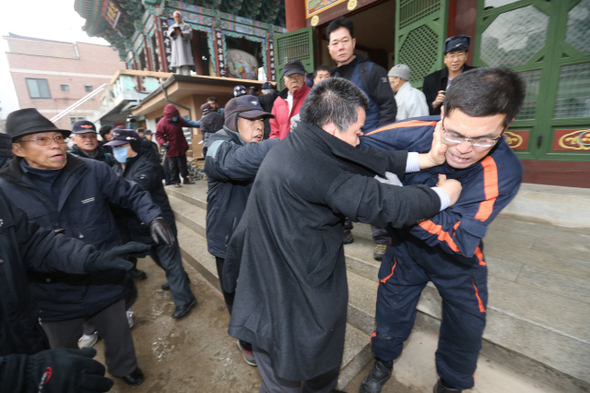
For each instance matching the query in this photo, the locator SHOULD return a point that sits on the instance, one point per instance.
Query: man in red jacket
(289, 100)
(170, 137)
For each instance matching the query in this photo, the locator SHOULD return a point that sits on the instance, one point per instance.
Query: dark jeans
(177, 166)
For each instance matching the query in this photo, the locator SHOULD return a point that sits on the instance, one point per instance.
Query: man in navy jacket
(447, 249)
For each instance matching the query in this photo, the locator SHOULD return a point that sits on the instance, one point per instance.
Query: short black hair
(214, 99)
(484, 92)
(333, 100)
(105, 130)
(321, 68)
(338, 23)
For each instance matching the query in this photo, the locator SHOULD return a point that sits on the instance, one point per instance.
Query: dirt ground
(192, 354)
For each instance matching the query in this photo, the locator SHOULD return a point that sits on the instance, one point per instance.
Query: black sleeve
(12, 373)
(430, 90)
(381, 93)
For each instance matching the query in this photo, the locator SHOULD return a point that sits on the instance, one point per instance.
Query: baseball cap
(122, 136)
(83, 127)
(267, 86)
(205, 108)
(401, 71)
(457, 43)
(247, 107)
(294, 67)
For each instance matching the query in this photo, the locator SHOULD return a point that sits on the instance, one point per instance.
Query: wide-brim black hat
(30, 121)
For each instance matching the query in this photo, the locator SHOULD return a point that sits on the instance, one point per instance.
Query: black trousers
(111, 322)
(170, 259)
(177, 166)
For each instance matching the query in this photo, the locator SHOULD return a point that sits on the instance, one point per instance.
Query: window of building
(74, 119)
(38, 88)
(87, 88)
(65, 88)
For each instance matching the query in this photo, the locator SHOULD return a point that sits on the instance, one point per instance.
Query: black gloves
(159, 230)
(65, 370)
(165, 145)
(113, 259)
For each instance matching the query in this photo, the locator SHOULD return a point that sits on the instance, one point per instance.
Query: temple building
(234, 40)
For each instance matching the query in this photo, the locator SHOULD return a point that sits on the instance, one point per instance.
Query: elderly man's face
(87, 142)
(395, 82)
(294, 82)
(177, 17)
(455, 60)
(351, 136)
(49, 157)
(251, 130)
(321, 75)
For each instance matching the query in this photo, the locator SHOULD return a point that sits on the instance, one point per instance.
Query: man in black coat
(26, 363)
(72, 195)
(285, 259)
(436, 84)
(232, 158)
(267, 100)
(140, 169)
(211, 122)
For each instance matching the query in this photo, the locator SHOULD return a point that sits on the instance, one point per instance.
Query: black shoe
(181, 311)
(348, 239)
(374, 381)
(188, 181)
(138, 274)
(135, 378)
(441, 387)
(166, 286)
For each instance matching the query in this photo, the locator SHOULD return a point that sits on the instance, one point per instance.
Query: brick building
(52, 75)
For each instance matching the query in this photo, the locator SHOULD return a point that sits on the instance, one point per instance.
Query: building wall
(76, 65)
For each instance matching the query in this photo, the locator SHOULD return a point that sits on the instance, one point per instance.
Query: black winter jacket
(100, 155)
(231, 166)
(292, 295)
(148, 175)
(435, 82)
(83, 212)
(25, 246)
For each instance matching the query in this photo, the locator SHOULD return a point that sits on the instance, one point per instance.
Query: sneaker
(130, 318)
(177, 185)
(88, 340)
(374, 381)
(379, 251)
(138, 274)
(348, 239)
(247, 355)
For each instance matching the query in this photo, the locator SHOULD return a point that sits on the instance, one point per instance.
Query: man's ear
(17, 150)
(442, 111)
(353, 43)
(330, 128)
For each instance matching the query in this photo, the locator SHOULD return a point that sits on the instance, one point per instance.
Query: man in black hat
(435, 85)
(140, 169)
(232, 157)
(290, 99)
(72, 195)
(211, 122)
(26, 363)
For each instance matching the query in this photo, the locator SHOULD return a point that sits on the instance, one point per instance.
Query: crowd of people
(288, 173)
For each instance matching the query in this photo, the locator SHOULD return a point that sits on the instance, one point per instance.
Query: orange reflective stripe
(479, 302)
(431, 227)
(456, 225)
(479, 256)
(410, 123)
(388, 277)
(490, 186)
(373, 335)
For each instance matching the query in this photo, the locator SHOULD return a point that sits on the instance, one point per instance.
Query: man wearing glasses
(447, 249)
(436, 84)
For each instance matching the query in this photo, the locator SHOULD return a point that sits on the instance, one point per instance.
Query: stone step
(536, 321)
(357, 352)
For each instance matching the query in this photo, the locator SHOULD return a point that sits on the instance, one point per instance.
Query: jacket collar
(341, 149)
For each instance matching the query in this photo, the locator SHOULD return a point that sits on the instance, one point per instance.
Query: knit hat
(401, 71)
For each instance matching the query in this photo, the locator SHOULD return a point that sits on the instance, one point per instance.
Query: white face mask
(121, 154)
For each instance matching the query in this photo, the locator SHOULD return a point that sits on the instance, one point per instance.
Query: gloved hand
(66, 370)
(114, 258)
(159, 230)
(165, 145)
